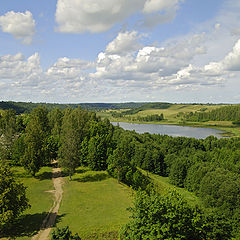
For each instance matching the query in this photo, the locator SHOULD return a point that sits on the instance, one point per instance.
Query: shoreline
(226, 130)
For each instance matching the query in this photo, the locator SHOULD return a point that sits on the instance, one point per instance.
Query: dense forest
(210, 168)
(227, 113)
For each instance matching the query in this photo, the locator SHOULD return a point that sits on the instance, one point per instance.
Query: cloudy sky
(72, 51)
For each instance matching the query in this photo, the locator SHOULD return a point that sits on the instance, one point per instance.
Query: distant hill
(146, 106)
(21, 107)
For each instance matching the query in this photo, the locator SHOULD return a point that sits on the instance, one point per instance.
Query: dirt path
(50, 219)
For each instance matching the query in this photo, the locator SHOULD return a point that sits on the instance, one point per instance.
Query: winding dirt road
(50, 219)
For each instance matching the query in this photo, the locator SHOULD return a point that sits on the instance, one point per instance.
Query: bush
(64, 234)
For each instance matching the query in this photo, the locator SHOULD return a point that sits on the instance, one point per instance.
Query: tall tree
(75, 127)
(13, 200)
(7, 133)
(37, 132)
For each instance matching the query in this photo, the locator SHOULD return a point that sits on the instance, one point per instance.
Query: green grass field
(40, 200)
(94, 205)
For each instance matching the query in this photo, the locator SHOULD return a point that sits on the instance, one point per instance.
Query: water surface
(171, 130)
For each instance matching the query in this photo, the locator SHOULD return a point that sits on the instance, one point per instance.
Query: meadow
(94, 205)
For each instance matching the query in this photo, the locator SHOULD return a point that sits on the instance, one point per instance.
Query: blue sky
(118, 50)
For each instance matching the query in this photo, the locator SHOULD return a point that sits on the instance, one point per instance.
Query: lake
(171, 130)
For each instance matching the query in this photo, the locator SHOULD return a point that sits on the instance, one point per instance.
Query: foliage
(151, 118)
(226, 113)
(167, 217)
(75, 127)
(37, 132)
(64, 234)
(13, 200)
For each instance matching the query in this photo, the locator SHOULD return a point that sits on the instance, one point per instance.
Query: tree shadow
(29, 225)
(81, 170)
(44, 176)
(92, 177)
(26, 225)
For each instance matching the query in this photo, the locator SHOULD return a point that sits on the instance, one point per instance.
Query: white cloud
(78, 16)
(159, 5)
(124, 43)
(232, 61)
(19, 70)
(20, 25)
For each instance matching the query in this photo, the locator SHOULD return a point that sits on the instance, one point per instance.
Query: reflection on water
(172, 130)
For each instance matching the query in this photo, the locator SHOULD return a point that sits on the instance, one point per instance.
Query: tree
(168, 216)
(75, 127)
(37, 132)
(13, 200)
(7, 133)
(99, 145)
(64, 234)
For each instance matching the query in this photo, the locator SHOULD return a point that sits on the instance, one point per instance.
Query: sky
(75, 51)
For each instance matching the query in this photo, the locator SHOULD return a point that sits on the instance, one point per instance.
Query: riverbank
(227, 128)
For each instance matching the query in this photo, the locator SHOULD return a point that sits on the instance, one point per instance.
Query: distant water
(171, 130)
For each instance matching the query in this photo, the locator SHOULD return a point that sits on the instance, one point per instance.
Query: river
(171, 130)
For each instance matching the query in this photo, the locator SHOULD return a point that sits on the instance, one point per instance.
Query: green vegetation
(40, 200)
(64, 234)
(13, 200)
(151, 211)
(27, 107)
(94, 205)
(94, 202)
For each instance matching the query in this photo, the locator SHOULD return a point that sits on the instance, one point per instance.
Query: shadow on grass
(44, 176)
(28, 225)
(92, 177)
(82, 170)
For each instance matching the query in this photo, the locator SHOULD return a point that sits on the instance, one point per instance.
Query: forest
(209, 168)
(226, 113)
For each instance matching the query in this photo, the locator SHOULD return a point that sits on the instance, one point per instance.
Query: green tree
(168, 216)
(13, 200)
(75, 127)
(64, 234)
(37, 132)
(7, 133)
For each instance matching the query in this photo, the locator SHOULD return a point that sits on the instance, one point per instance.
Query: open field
(40, 200)
(94, 205)
(171, 117)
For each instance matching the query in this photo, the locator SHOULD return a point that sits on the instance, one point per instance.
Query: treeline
(150, 118)
(226, 113)
(27, 107)
(208, 167)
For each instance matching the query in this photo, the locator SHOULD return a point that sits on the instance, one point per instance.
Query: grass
(40, 200)
(162, 185)
(94, 205)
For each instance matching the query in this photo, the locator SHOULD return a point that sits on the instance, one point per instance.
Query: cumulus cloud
(20, 70)
(149, 62)
(232, 61)
(77, 16)
(20, 25)
(124, 43)
(69, 68)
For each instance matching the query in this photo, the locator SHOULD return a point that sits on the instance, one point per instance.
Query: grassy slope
(40, 200)
(94, 205)
(163, 186)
